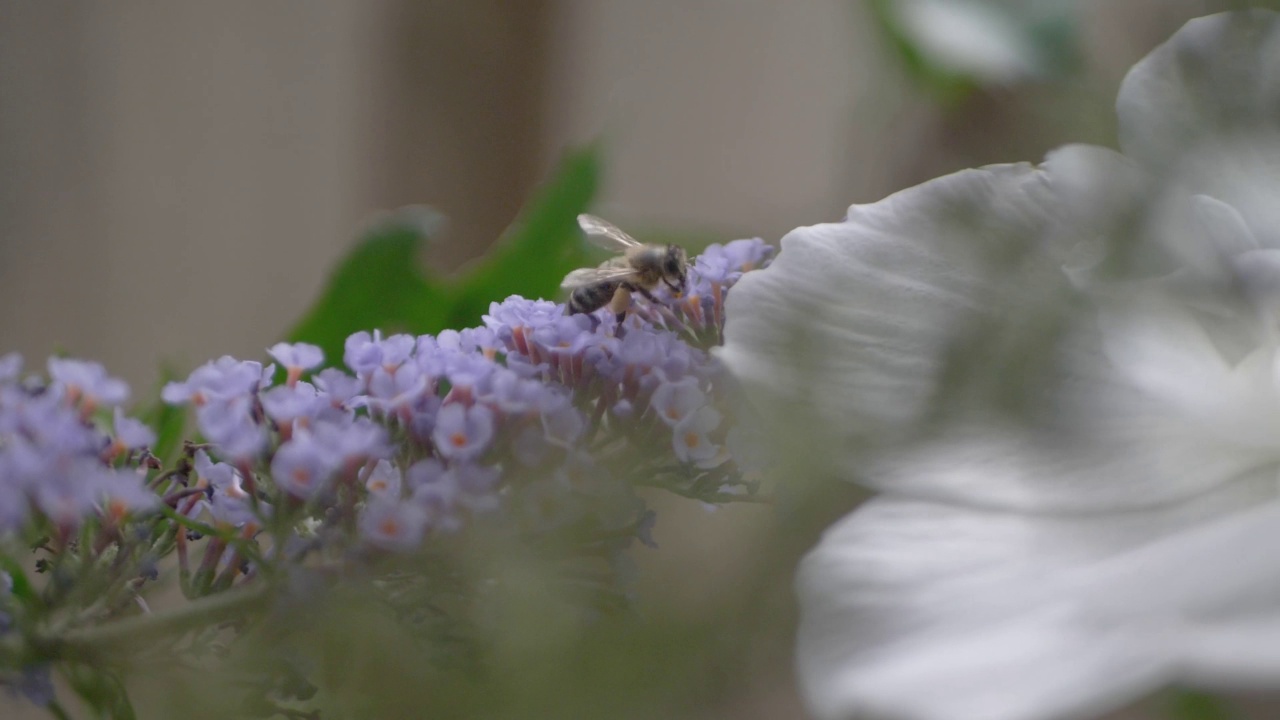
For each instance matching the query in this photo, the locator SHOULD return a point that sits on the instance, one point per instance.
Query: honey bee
(638, 268)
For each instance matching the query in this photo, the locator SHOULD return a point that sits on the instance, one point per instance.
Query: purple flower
(530, 446)
(512, 394)
(673, 402)
(71, 491)
(400, 387)
(122, 493)
(516, 312)
(349, 444)
(471, 340)
(338, 387)
(463, 433)
(424, 472)
(477, 486)
(10, 366)
(383, 480)
(287, 403)
(364, 352)
(690, 438)
(229, 503)
(130, 434)
(392, 525)
(228, 423)
(303, 467)
(220, 379)
(296, 358)
(562, 423)
(467, 371)
(87, 383)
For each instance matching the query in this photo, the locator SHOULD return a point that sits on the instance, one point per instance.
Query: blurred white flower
(1065, 382)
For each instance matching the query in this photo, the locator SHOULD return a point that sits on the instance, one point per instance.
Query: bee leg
(646, 294)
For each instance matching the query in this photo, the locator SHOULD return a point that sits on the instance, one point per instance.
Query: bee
(639, 268)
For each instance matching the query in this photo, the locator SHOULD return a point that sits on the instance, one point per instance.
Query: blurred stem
(109, 639)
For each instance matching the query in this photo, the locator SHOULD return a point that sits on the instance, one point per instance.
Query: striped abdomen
(590, 298)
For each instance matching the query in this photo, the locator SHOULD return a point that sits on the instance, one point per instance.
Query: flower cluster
(548, 419)
(536, 426)
(56, 463)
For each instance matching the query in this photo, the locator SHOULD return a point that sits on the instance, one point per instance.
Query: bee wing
(605, 234)
(590, 276)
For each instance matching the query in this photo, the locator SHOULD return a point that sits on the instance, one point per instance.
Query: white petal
(1037, 667)
(851, 323)
(1218, 73)
(924, 611)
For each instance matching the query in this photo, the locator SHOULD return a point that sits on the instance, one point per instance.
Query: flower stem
(141, 629)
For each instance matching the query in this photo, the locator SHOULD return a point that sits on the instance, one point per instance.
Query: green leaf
(1037, 41)
(538, 250)
(1184, 704)
(379, 285)
(168, 421)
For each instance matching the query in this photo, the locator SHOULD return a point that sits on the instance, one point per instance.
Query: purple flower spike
(673, 402)
(463, 433)
(87, 382)
(391, 525)
(690, 439)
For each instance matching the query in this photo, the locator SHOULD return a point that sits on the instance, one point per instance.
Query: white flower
(1065, 382)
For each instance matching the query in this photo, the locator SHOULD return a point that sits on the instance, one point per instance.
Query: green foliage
(168, 421)
(1193, 705)
(1043, 36)
(381, 284)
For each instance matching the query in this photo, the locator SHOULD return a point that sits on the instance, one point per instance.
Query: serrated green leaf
(539, 249)
(379, 285)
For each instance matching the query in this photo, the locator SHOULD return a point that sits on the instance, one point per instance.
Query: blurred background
(177, 180)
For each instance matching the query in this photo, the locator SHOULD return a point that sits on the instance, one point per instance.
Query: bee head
(674, 268)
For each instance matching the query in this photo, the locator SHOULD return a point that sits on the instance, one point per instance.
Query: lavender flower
(296, 358)
(392, 525)
(87, 383)
(463, 433)
(303, 467)
(131, 434)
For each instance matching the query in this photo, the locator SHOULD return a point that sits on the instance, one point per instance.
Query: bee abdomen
(591, 297)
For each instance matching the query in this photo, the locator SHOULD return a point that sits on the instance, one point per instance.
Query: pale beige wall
(176, 179)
